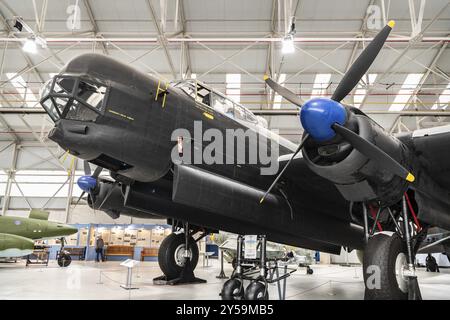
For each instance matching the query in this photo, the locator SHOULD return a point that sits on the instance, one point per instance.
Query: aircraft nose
(66, 230)
(56, 134)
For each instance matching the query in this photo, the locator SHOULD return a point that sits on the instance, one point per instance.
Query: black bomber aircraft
(352, 185)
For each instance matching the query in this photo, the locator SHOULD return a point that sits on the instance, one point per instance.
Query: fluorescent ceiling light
(321, 82)
(288, 45)
(406, 91)
(30, 46)
(361, 92)
(21, 87)
(277, 99)
(233, 87)
(443, 100)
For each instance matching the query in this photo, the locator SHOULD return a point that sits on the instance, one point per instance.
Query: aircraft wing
(440, 245)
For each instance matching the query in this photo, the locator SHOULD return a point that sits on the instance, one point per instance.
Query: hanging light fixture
(288, 40)
(288, 44)
(30, 46)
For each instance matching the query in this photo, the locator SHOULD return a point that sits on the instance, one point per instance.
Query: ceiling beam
(26, 57)
(94, 24)
(186, 49)
(162, 39)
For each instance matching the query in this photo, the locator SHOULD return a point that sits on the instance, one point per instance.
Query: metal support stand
(262, 264)
(222, 274)
(240, 242)
(281, 293)
(260, 269)
(128, 285)
(413, 285)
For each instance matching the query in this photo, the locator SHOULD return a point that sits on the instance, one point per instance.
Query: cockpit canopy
(74, 98)
(217, 101)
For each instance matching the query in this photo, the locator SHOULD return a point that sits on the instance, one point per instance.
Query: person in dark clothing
(99, 244)
(431, 264)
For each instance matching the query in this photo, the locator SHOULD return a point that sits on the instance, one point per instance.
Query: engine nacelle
(357, 177)
(114, 204)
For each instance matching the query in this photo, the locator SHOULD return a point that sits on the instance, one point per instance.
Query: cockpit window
(92, 94)
(217, 101)
(77, 111)
(49, 106)
(73, 98)
(64, 86)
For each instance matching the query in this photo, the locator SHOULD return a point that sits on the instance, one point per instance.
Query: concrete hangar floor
(91, 280)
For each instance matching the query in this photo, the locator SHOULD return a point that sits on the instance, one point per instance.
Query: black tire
(234, 263)
(64, 260)
(232, 290)
(256, 291)
(166, 254)
(309, 270)
(382, 251)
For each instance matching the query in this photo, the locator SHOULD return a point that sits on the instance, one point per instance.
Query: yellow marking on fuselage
(208, 115)
(161, 90)
(121, 115)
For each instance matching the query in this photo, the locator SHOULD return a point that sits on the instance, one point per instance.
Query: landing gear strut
(388, 264)
(178, 257)
(64, 259)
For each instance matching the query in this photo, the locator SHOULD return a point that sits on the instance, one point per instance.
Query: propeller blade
(87, 168)
(284, 92)
(302, 143)
(81, 196)
(374, 153)
(93, 201)
(110, 191)
(362, 64)
(97, 172)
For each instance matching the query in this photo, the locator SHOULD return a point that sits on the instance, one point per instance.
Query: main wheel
(64, 260)
(232, 290)
(309, 270)
(171, 254)
(256, 291)
(385, 259)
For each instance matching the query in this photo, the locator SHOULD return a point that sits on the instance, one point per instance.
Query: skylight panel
(361, 92)
(406, 91)
(277, 99)
(21, 87)
(233, 87)
(443, 99)
(321, 82)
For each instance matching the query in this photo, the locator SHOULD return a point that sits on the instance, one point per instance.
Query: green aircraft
(17, 234)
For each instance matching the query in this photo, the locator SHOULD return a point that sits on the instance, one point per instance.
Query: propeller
(323, 118)
(371, 151)
(88, 182)
(305, 137)
(284, 92)
(362, 64)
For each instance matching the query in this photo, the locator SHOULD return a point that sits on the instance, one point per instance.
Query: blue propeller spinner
(87, 183)
(319, 114)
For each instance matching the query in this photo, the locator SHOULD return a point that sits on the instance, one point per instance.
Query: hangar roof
(211, 39)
